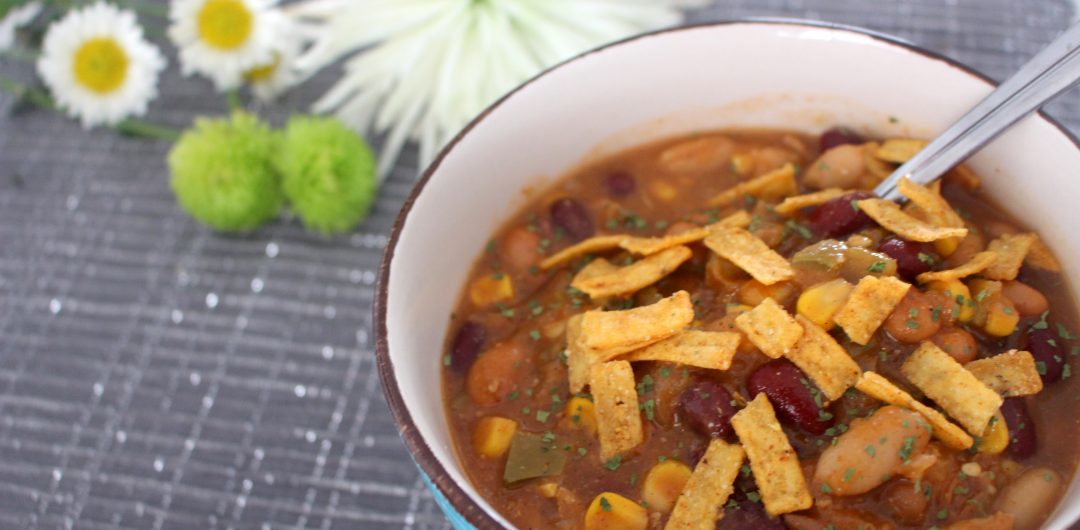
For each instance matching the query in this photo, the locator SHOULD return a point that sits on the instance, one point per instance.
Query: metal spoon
(1052, 71)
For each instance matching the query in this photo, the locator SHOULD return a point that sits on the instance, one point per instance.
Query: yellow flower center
(225, 24)
(264, 72)
(100, 65)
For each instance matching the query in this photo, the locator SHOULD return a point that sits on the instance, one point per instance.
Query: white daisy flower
(98, 66)
(270, 80)
(422, 69)
(14, 18)
(223, 39)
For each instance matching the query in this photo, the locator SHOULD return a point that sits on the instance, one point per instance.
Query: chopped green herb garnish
(542, 415)
(605, 505)
(613, 463)
(877, 266)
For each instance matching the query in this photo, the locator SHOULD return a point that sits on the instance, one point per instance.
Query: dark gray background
(156, 375)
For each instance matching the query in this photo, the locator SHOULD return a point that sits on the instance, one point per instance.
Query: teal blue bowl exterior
(456, 520)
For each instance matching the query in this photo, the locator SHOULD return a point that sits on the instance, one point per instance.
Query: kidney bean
(573, 218)
(1022, 438)
(839, 217)
(792, 394)
(838, 136)
(912, 259)
(1045, 347)
(467, 344)
(707, 407)
(620, 184)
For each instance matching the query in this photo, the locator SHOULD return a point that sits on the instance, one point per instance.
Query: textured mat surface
(154, 375)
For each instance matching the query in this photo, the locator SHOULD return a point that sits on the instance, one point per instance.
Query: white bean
(871, 451)
(840, 167)
(1030, 498)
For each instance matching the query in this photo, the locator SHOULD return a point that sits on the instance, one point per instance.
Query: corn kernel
(611, 511)
(1001, 318)
(582, 413)
(964, 307)
(996, 438)
(492, 436)
(663, 485)
(946, 247)
(742, 163)
(819, 303)
(488, 289)
(664, 191)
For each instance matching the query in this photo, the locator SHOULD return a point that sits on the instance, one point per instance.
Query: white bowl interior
(742, 74)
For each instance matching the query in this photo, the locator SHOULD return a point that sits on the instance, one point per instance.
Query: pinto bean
(916, 318)
(1030, 498)
(872, 450)
(972, 244)
(1027, 299)
(496, 372)
(520, 249)
(958, 343)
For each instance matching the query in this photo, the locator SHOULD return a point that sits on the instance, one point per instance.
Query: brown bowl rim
(414, 442)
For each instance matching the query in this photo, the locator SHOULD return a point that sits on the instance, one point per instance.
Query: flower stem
(232, 97)
(128, 127)
(139, 128)
(20, 54)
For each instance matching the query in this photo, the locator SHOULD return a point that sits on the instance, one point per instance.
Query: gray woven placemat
(156, 375)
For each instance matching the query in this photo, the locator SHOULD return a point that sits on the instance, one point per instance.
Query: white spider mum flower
(14, 18)
(423, 68)
(98, 66)
(223, 39)
(269, 80)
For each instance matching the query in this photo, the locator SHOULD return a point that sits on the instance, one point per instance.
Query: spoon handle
(1049, 73)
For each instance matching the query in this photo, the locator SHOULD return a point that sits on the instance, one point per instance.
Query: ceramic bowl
(779, 74)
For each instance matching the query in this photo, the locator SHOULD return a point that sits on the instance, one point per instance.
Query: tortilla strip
(579, 359)
(978, 263)
(633, 277)
(588, 246)
(645, 246)
(880, 388)
(889, 215)
(702, 500)
(795, 203)
(776, 467)
(869, 304)
(770, 328)
(750, 254)
(713, 350)
(957, 391)
(937, 210)
(899, 150)
(1040, 255)
(1010, 249)
(651, 245)
(777, 183)
(618, 420)
(618, 332)
(1010, 374)
(824, 360)
(595, 269)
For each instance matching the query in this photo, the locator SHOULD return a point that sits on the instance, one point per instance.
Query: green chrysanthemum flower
(328, 174)
(223, 172)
